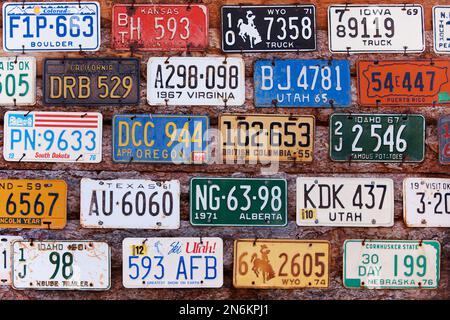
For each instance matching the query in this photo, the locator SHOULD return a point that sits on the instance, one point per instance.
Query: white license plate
(5, 258)
(376, 28)
(51, 26)
(17, 81)
(172, 262)
(441, 29)
(136, 204)
(53, 136)
(61, 265)
(196, 81)
(345, 202)
(426, 202)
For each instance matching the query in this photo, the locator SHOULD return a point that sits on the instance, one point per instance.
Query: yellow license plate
(33, 204)
(281, 264)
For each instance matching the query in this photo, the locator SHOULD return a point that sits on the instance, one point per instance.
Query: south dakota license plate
(17, 81)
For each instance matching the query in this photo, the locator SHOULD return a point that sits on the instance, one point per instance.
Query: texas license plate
(172, 262)
(17, 81)
(391, 264)
(444, 139)
(376, 28)
(5, 258)
(51, 26)
(302, 83)
(377, 137)
(441, 30)
(39, 136)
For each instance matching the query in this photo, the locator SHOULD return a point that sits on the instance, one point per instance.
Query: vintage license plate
(33, 204)
(17, 81)
(391, 264)
(5, 258)
(172, 262)
(256, 202)
(91, 81)
(61, 265)
(196, 81)
(377, 137)
(160, 138)
(302, 83)
(160, 27)
(444, 139)
(376, 28)
(39, 136)
(268, 28)
(51, 26)
(345, 202)
(441, 29)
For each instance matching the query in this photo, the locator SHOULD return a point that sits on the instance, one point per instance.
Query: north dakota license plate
(441, 29)
(5, 258)
(17, 81)
(444, 139)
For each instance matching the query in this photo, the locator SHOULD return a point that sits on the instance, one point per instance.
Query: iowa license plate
(441, 29)
(17, 81)
(5, 258)
(444, 139)
(391, 264)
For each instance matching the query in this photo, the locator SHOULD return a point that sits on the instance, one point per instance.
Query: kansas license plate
(39, 136)
(172, 262)
(196, 81)
(444, 139)
(441, 29)
(17, 81)
(238, 202)
(377, 137)
(302, 83)
(51, 26)
(91, 81)
(268, 28)
(5, 258)
(376, 28)
(391, 264)
(33, 204)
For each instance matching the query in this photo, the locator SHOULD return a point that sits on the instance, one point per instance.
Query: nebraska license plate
(17, 81)
(444, 139)
(5, 258)
(441, 30)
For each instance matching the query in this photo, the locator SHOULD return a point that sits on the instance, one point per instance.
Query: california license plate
(17, 81)
(377, 137)
(51, 26)
(441, 30)
(172, 262)
(444, 139)
(39, 136)
(5, 258)
(391, 264)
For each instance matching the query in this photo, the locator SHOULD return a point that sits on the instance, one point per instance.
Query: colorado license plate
(5, 258)
(17, 81)
(391, 264)
(377, 137)
(172, 262)
(444, 139)
(51, 26)
(441, 29)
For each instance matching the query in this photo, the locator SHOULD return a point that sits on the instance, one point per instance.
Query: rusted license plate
(444, 139)
(5, 259)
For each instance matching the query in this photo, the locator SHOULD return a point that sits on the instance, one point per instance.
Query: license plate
(51, 26)
(33, 204)
(444, 139)
(17, 81)
(345, 202)
(38, 136)
(61, 265)
(91, 81)
(160, 138)
(172, 262)
(196, 81)
(281, 264)
(126, 203)
(391, 264)
(302, 83)
(268, 28)
(159, 27)
(377, 137)
(441, 30)
(253, 202)
(5, 258)
(376, 28)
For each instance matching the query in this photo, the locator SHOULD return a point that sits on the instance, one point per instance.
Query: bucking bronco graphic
(249, 29)
(263, 265)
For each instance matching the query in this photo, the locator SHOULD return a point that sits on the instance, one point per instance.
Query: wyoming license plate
(5, 258)
(444, 139)
(17, 81)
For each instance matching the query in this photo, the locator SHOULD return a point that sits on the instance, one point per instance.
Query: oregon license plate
(172, 262)
(444, 139)
(391, 264)
(17, 81)
(51, 26)
(377, 137)
(5, 258)
(441, 29)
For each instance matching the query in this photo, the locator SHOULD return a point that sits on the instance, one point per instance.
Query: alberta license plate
(5, 258)
(441, 30)
(17, 81)
(444, 139)
(377, 137)
(172, 262)
(51, 26)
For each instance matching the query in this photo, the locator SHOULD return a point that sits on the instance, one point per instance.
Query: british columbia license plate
(441, 29)
(172, 262)
(302, 83)
(17, 81)
(238, 202)
(51, 26)
(444, 139)
(377, 137)
(39, 136)
(5, 258)
(391, 264)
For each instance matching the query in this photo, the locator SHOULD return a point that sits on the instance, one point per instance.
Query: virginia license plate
(441, 29)
(391, 264)
(172, 262)
(302, 83)
(5, 258)
(51, 26)
(444, 139)
(377, 137)
(17, 81)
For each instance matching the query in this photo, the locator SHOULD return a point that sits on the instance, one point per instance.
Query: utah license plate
(441, 29)
(17, 81)
(444, 139)
(5, 258)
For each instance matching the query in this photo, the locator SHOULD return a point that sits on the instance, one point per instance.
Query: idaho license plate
(444, 139)
(5, 258)
(17, 81)
(441, 30)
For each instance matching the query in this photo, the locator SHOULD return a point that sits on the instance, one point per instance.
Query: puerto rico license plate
(377, 137)
(441, 29)
(444, 139)
(391, 264)
(172, 262)
(51, 26)
(302, 83)
(17, 81)
(5, 258)
(376, 28)
(256, 202)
